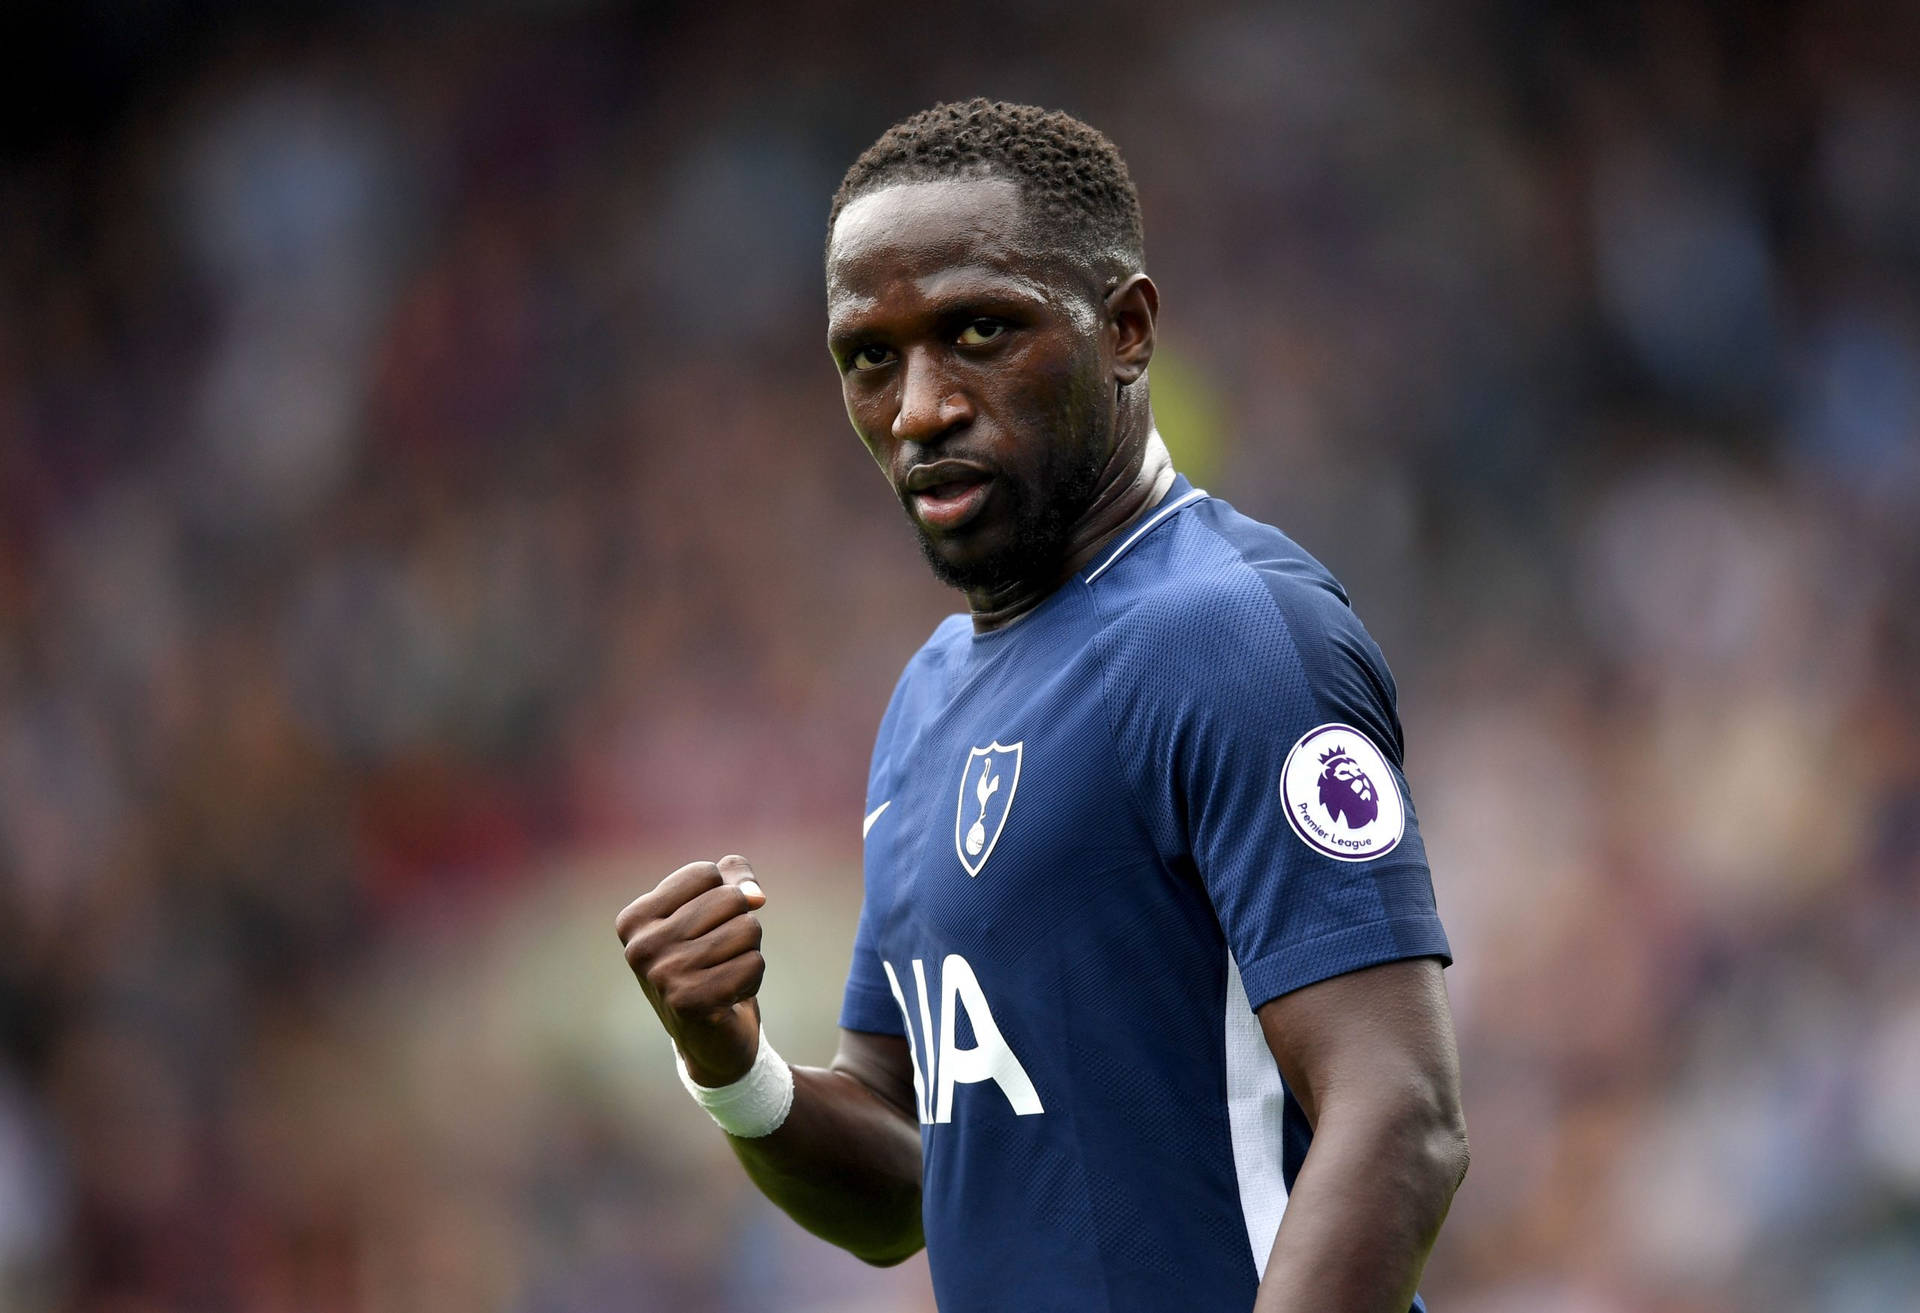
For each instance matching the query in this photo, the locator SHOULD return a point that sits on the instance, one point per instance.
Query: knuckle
(641, 949)
(662, 970)
(689, 996)
(755, 971)
(628, 920)
(674, 992)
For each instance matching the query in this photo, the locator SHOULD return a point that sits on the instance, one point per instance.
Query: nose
(930, 406)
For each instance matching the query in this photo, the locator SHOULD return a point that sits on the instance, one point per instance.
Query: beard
(1042, 528)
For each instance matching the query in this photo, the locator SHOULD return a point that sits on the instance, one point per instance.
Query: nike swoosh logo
(866, 826)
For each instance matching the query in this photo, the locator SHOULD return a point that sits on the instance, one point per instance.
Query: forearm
(1363, 1214)
(845, 1165)
(845, 1162)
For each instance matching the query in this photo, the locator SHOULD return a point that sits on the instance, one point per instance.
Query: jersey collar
(1179, 495)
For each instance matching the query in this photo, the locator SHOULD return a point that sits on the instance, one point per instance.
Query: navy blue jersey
(1096, 840)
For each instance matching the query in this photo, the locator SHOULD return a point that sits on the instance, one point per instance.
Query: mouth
(947, 495)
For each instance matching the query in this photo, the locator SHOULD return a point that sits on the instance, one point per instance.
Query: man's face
(974, 365)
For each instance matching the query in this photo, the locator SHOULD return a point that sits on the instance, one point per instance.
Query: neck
(1144, 473)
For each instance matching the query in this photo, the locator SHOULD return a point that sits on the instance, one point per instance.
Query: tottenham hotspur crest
(986, 796)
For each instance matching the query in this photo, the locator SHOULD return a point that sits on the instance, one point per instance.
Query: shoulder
(930, 668)
(949, 637)
(1221, 620)
(1218, 585)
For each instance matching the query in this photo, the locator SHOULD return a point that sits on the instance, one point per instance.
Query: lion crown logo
(1345, 790)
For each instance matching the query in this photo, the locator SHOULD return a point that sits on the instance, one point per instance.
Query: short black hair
(1064, 167)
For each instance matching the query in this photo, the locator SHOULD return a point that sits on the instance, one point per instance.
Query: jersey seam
(1106, 702)
(1153, 840)
(1105, 650)
(1313, 690)
(1378, 681)
(1140, 808)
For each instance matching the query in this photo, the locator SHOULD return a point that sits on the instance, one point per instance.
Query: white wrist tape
(753, 1106)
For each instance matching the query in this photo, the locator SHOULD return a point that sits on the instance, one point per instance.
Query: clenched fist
(694, 944)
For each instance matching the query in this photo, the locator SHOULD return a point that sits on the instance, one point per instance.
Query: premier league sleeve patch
(1340, 795)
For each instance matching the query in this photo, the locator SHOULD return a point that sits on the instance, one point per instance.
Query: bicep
(883, 1064)
(1382, 1034)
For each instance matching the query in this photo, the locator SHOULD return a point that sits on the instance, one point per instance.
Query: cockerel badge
(987, 786)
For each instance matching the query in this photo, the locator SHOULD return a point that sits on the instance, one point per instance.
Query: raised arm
(845, 1163)
(1370, 1057)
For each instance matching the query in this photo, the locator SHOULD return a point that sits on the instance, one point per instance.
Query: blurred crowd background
(427, 517)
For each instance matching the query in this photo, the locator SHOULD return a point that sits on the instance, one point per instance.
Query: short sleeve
(868, 1003)
(1257, 720)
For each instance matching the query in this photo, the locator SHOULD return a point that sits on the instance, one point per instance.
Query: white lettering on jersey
(989, 1059)
(913, 1048)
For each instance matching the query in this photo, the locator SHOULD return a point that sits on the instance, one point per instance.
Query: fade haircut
(1067, 172)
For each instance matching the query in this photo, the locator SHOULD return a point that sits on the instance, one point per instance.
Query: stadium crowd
(426, 517)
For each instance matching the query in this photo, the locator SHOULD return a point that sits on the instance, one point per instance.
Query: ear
(1132, 306)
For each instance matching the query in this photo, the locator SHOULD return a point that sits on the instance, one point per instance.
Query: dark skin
(994, 374)
(962, 347)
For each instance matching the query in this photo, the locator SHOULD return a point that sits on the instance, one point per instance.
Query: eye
(981, 331)
(869, 357)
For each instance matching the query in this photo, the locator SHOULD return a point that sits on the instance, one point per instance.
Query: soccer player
(1145, 1010)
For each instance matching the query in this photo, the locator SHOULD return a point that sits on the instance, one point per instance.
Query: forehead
(923, 234)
